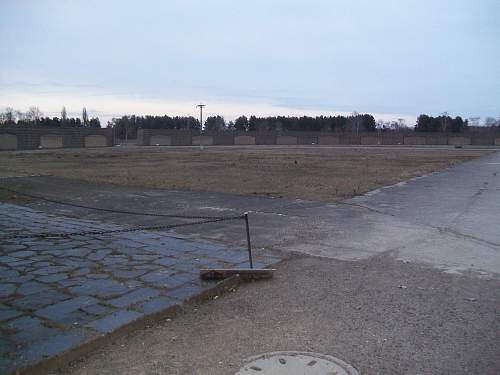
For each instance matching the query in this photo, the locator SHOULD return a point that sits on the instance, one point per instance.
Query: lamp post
(201, 120)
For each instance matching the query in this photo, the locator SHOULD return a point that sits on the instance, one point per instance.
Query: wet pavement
(58, 293)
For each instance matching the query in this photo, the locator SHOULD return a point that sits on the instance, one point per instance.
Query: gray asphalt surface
(404, 280)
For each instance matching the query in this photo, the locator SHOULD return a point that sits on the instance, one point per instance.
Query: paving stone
(157, 276)
(58, 310)
(128, 274)
(185, 277)
(22, 254)
(51, 269)
(7, 313)
(111, 322)
(96, 245)
(22, 262)
(81, 271)
(114, 259)
(42, 264)
(188, 267)
(145, 257)
(36, 301)
(41, 247)
(52, 278)
(133, 284)
(97, 276)
(31, 287)
(99, 255)
(148, 267)
(20, 278)
(8, 259)
(42, 258)
(75, 319)
(184, 292)
(156, 304)
(169, 282)
(71, 282)
(75, 263)
(6, 365)
(6, 290)
(101, 288)
(15, 247)
(134, 297)
(54, 345)
(6, 347)
(30, 329)
(145, 272)
(78, 252)
(167, 262)
(96, 309)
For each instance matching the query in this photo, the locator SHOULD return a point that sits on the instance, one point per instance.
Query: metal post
(201, 121)
(249, 244)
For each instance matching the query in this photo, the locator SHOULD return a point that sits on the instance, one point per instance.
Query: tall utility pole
(201, 120)
(443, 122)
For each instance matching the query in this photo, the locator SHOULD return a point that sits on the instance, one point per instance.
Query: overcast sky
(392, 58)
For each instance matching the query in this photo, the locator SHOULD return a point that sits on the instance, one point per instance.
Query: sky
(391, 58)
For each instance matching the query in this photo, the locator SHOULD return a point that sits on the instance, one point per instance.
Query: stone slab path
(57, 293)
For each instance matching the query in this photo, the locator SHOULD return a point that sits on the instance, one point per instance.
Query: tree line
(128, 125)
(442, 123)
(34, 118)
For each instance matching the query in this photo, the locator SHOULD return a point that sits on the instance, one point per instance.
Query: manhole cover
(296, 363)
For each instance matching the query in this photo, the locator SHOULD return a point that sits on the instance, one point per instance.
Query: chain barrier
(202, 220)
(112, 231)
(174, 216)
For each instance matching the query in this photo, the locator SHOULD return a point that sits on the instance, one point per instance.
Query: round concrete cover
(296, 363)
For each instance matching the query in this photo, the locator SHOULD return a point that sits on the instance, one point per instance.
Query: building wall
(29, 139)
(459, 141)
(186, 137)
(160, 140)
(371, 140)
(244, 140)
(8, 141)
(307, 140)
(329, 140)
(286, 140)
(414, 140)
(204, 140)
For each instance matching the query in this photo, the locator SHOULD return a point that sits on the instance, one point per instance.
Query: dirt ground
(315, 173)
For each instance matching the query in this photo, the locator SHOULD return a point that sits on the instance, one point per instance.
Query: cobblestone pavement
(57, 293)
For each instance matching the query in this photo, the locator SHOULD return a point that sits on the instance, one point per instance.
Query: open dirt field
(316, 173)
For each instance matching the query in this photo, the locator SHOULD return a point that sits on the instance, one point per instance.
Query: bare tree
(490, 122)
(34, 114)
(20, 115)
(474, 121)
(10, 114)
